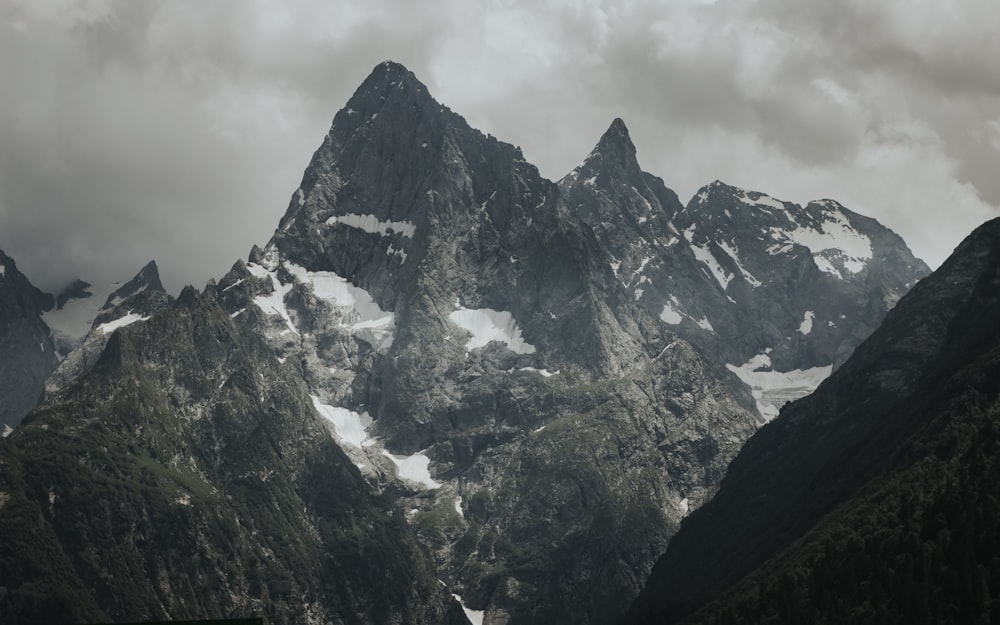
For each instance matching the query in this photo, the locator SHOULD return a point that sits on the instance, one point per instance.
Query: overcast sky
(177, 130)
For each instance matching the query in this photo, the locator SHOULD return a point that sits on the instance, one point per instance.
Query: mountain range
(445, 388)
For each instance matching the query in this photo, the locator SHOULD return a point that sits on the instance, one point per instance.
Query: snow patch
(475, 616)
(685, 506)
(392, 250)
(350, 426)
(121, 322)
(670, 314)
(413, 468)
(545, 373)
(6, 431)
(360, 313)
(274, 302)
(458, 506)
(771, 389)
(834, 237)
(704, 324)
(374, 225)
(807, 323)
(761, 201)
(486, 325)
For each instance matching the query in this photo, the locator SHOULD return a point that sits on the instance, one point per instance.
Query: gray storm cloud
(178, 130)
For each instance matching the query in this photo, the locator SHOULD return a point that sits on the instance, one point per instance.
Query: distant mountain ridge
(541, 378)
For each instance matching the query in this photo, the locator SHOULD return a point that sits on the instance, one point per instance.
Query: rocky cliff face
(860, 502)
(27, 354)
(134, 301)
(547, 352)
(543, 379)
(186, 475)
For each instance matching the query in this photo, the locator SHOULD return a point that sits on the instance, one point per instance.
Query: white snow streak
(545, 373)
(705, 256)
(274, 302)
(373, 225)
(762, 201)
(486, 325)
(734, 254)
(129, 319)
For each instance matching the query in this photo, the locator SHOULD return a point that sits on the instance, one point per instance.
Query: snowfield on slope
(486, 325)
(771, 389)
(350, 426)
(121, 322)
(76, 316)
(413, 468)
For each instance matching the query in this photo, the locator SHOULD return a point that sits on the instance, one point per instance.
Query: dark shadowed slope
(876, 498)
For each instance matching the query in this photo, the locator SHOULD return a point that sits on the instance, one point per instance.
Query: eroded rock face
(132, 302)
(542, 379)
(28, 355)
(548, 351)
(186, 475)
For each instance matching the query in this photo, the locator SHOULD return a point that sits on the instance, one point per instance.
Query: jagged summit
(616, 144)
(613, 157)
(390, 89)
(148, 279)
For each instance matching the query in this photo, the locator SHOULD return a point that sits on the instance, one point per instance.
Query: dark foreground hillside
(875, 500)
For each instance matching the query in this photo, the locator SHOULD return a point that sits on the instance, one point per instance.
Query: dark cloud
(179, 130)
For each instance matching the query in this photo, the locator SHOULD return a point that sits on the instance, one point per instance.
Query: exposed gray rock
(27, 354)
(133, 302)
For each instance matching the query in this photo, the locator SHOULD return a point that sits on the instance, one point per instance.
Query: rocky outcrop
(28, 355)
(134, 301)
